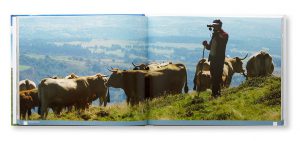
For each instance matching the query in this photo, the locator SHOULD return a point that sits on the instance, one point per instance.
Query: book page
(64, 63)
(234, 80)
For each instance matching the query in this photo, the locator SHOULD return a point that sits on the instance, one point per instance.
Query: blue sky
(195, 26)
(246, 35)
(94, 27)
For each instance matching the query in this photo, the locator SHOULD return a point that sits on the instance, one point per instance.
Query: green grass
(24, 67)
(115, 112)
(255, 99)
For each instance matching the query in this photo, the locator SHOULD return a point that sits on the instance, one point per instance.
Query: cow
(151, 66)
(143, 84)
(202, 65)
(260, 64)
(231, 66)
(94, 97)
(57, 108)
(26, 85)
(77, 91)
(203, 81)
(28, 100)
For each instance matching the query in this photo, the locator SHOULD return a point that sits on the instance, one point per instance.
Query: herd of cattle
(144, 81)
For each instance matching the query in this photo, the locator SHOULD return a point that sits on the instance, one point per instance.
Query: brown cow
(68, 92)
(141, 84)
(28, 100)
(260, 64)
(231, 66)
(58, 108)
(27, 85)
(203, 65)
(203, 81)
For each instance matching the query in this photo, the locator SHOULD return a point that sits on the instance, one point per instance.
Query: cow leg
(57, 110)
(105, 103)
(198, 89)
(100, 101)
(128, 100)
(44, 111)
(135, 101)
(29, 112)
(104, 100)
(195, 82)
(23, 115)
(69, 108)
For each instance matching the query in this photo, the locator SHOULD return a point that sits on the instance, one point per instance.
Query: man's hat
(217, 21)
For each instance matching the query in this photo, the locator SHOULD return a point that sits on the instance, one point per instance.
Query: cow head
(27, 84)
(97, 84)
(71, 76)
(116, 79)
(203, 64)
(140, 67)
(237, 64)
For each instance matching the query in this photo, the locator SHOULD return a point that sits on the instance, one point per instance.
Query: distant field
(24, 67)
(255, 99)
(35, 56)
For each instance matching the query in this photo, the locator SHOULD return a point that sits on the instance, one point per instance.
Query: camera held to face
(210, 26)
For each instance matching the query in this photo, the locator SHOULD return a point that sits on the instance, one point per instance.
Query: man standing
(217, 47)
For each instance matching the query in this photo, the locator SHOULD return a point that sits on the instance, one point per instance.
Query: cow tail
(195, 80)
(108, 96)
(40, 101)
(186, 88)
(40, 95)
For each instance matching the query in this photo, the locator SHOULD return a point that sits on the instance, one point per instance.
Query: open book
(147, 70)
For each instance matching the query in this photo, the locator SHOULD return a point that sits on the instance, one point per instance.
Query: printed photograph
(152, 69)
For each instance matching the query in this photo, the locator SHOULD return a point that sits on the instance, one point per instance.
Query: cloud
(103, 43)
(188, 46)
(118, 53)
(160, 51)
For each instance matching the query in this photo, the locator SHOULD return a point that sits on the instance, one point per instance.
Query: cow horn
(133, 64)
(245, 57)
(110, 70)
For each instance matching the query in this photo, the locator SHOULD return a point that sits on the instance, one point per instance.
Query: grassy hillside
(255, 99)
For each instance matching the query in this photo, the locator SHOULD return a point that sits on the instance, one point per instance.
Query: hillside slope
(255, 99)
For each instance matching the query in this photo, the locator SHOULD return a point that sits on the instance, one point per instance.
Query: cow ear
(99, 75)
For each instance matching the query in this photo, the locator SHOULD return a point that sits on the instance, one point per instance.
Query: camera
(210, 26)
